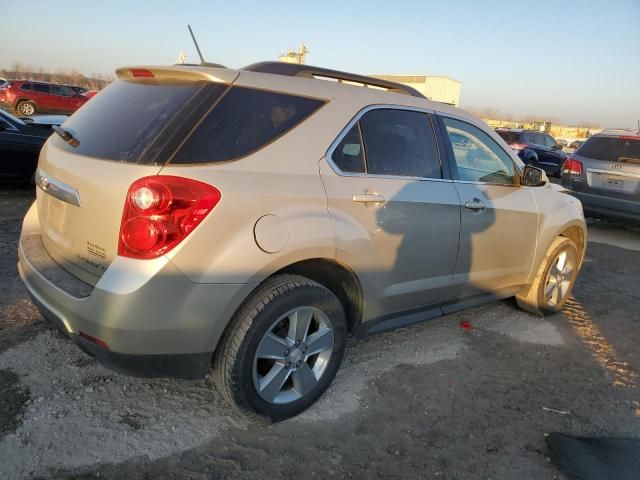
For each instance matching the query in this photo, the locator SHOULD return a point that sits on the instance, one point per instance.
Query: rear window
(244, 121)
(509, 137)
(123, 121)
(40, 88)
(612, 149)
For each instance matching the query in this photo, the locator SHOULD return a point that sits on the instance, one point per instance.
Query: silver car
(604, 173)
(192, 217)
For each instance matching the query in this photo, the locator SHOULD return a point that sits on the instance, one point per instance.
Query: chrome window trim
(343, 133)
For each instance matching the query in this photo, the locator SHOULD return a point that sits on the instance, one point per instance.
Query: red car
(28, 97)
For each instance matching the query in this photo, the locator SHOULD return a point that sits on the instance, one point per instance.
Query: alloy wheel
(26, 109)
(293, 355)
(559, 278)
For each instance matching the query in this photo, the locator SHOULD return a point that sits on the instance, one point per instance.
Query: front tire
(554, 281)
(282, 349)
(26, 108)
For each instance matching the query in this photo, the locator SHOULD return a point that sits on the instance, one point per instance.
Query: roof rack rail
(308, 71)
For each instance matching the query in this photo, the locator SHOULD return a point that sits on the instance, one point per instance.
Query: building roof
(411, 78)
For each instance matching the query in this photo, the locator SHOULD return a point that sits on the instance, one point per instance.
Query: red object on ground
(466, 325)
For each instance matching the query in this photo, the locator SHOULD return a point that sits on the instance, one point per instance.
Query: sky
(576, 61)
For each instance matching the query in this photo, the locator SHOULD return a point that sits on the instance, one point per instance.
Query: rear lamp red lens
(572, 166)
(160, 211)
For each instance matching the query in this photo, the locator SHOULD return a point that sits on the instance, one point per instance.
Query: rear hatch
(611, 165)
(609, 172)
(125, 133)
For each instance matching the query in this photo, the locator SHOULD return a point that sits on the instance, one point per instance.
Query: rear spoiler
(180, 74)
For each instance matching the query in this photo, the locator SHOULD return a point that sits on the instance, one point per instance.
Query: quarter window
(26, 86)
(244, 121)
(400, 143)
(478, 157)
(349, 155)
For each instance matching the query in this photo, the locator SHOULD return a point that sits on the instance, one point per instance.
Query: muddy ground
(431, 401)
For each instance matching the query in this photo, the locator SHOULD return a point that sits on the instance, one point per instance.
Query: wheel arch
(337, 278)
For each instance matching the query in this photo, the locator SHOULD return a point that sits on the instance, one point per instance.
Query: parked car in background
(90, 93)
(28, 97)
(44, 121)
(604, 173)
(253, 218)
(535, 148)
(576, 144)
(20, 144)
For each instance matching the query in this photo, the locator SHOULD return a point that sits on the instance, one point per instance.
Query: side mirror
(533, 177)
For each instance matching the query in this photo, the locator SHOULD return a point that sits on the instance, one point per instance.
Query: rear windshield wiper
(66, 136)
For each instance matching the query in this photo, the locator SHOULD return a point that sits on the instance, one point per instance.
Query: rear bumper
(607, 207)
(188, 366)
(155, 322)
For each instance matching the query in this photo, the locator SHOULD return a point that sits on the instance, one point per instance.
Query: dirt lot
(431, 401)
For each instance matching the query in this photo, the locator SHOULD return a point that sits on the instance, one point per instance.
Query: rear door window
(124, 120)
(243, 121)
(40, 88)
(612, 149)
(60, 91)
(534, 138)
(400, 143)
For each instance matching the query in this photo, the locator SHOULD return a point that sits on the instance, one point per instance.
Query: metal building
(440, 89)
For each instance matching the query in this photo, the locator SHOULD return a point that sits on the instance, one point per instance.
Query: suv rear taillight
(160, 211)
(518, 146)
(572, 166)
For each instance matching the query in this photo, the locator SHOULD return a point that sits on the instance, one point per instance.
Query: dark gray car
(604, 174)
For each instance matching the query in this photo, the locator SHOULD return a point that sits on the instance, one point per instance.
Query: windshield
(7, 116)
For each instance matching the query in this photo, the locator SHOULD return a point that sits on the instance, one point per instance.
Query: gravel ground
(431, 401)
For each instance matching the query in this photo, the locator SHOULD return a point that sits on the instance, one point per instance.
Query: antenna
(196, 44)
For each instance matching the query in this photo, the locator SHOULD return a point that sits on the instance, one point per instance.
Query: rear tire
(26, 108)
(282, 349)
(554, 281)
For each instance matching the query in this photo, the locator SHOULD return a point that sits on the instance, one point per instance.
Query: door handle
(368, 198)
(476, 205)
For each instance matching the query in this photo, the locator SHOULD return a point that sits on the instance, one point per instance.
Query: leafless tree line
(489, 113)
(20, 71)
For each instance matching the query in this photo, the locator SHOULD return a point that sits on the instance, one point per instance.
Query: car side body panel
(560, 212)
